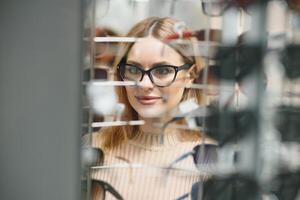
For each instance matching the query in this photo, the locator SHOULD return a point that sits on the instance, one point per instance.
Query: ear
(190, 79)
(191, 76)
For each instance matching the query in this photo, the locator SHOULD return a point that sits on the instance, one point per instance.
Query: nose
(146, 82)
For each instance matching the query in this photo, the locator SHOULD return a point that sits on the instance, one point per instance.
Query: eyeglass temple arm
(182, 157)
(186, 195)
(112, 190)
(186, 66)
(198, 112)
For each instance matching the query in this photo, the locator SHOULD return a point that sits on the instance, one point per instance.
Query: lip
(148, 100)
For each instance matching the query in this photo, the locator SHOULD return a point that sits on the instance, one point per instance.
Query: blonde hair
(159, 28)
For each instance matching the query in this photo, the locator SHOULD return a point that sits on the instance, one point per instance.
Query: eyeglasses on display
(234, 187)
(290, 59)
(202, 154)
(239, 61)
(215, 8)
(214, 77)
(228, 126)
(98, 190)
(287, 121)
(286, 185)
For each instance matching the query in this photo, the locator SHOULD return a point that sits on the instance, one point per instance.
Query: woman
(161, 71)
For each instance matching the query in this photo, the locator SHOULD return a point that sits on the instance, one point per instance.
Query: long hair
(159, 28)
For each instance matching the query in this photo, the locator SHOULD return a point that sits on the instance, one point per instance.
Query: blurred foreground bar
(40, 99)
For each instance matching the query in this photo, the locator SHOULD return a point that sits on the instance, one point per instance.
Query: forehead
(151, 50)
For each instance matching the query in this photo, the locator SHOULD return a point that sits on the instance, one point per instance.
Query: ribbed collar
(155, 141)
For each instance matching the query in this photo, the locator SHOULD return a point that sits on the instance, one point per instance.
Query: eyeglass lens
(214, 7)
(209, 156)
(234, 126)
(231, 188)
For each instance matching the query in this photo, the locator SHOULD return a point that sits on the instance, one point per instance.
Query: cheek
(130, 94)
(174, 95)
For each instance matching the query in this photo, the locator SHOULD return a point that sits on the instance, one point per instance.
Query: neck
(152, 125)
(156, 140)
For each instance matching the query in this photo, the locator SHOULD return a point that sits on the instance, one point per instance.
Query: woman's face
(148, 100)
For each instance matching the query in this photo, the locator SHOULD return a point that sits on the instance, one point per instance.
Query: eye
(163, 71)
(132, 69)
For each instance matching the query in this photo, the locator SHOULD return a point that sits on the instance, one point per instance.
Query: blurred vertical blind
(40, 99)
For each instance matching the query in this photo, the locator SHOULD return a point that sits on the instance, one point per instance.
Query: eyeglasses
(290, 59)
(228, 126)
(98, 190)
(161, 75)
(216, 8)
(202, 154)
(234, 187)
(239, 61)
(287, 122)
(215, 75)
(287, 185)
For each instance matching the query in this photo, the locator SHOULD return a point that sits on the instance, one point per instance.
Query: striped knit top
(138, 169)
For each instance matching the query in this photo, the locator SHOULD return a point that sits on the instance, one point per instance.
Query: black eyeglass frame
(122, 64)
(210, 155)
(106, 188)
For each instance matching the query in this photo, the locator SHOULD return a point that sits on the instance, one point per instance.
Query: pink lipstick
(148, 100)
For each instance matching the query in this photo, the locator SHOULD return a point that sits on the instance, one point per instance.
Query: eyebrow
(153, 65)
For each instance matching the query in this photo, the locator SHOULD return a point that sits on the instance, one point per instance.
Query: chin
(151, 112)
